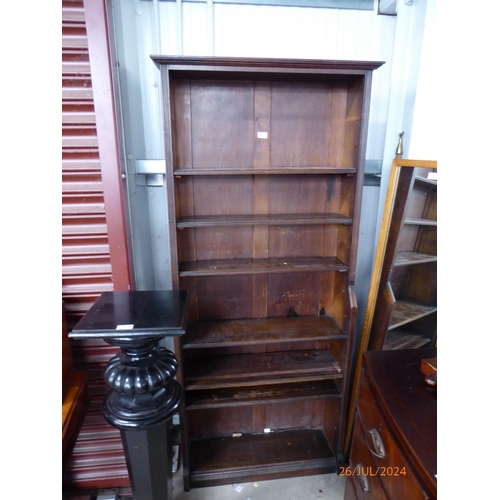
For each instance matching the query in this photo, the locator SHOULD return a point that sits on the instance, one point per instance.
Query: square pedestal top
(159, 313)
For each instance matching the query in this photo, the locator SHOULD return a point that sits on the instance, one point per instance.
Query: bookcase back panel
(305, 194)
(353, 122)
(415, 238)
(223, 195)
(422, 283)
(427, 240)
(423, 203)
(223, 243)
(222, 116)
(259, 124)
(307, 121)
(277, 194)
(273, 296)
(416, 283)
(254, 419)
(222, 297)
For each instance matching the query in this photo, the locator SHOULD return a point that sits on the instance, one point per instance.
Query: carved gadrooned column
(143, 391)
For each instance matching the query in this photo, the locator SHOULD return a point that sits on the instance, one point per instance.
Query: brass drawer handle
(363, 481)
(378, 445)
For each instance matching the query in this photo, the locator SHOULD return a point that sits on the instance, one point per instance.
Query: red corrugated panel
(86, 266)
(97, 460)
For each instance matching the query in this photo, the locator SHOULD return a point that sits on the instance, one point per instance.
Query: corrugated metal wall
(97, 460)
(86, 265)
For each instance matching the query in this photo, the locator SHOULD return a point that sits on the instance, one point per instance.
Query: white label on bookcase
(261, 135)
(124, 327)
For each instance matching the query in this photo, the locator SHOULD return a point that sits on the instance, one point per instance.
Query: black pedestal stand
(144, 393)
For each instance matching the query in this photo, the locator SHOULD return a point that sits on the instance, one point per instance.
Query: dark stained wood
(263, 331)
(404, 339)
(349, 492)
(266, 171)
(158, 313)
(395, 394)
(260, 266)
(322, 389)
(252, 456)
(261, 219)
(410, 258)
(265, 162)
(361, 467)
(265, 368)
(405, 311)
(242, 64)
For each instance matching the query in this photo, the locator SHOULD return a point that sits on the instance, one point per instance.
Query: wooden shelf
(411, 258)
(264, 220)
(406, 311)
(265, 171)
(276, 393)
(424, 180)
(229, 333)
(403, 339)
(266, 368)
(261, 266)
(260, 456)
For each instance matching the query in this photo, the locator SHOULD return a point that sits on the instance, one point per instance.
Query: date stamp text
(359, 470)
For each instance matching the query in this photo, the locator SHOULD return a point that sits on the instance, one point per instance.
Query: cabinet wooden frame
(265, 165)
(407, 246)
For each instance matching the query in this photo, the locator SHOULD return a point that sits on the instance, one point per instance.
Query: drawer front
(349, 492)
(362, 469)
(391, 467)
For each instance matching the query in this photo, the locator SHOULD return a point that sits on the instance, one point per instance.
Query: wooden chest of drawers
(394, 445)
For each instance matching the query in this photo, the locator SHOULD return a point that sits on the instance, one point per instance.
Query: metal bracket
(154, 170)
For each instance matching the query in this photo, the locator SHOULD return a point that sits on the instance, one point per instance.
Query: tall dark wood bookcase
(265, 165)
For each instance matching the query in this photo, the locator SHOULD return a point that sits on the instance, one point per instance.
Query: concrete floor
(324, 486)
(320, 487)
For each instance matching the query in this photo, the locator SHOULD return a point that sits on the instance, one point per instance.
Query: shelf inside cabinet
(263, 171)
(259, 456)
(411, 258)
(229, 333)
(424, 180)
(264, 220)
(402, 338)
(251, 395)
(406, 311)
(265, 368)
(260, 266)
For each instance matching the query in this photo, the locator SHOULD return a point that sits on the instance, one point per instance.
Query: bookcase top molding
(269, 64)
